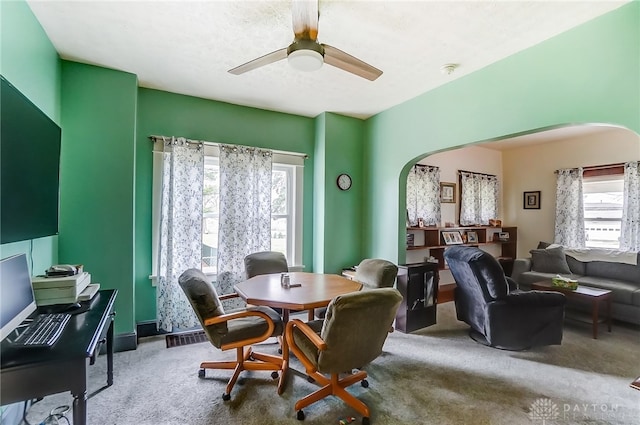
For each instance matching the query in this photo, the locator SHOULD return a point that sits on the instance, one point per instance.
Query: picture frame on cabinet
(452, 237)
(472, 237)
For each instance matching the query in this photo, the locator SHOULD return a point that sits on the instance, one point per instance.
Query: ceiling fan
(305, 53)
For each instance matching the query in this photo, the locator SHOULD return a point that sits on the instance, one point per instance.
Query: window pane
(279, 192)
(210, 244)
(603, 212)
(210, 193)
(279, 234)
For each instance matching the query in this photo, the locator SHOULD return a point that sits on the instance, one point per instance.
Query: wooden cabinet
(432, 241)
(418, 284)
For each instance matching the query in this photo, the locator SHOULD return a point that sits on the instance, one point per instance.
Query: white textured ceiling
(187, 46)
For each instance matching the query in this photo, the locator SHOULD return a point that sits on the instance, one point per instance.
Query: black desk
(29, 373)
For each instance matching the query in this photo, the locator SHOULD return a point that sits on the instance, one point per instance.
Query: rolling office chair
(372, 273)
(499, 315)
(351, 335)
(238, 329)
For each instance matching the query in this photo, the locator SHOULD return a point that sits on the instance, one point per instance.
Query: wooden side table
(593, 295)
(418, 284)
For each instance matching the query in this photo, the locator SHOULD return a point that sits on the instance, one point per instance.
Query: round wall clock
(344, 181)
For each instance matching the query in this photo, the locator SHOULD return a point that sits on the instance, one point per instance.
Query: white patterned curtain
(478, 199)
(569, 226)
(423, 195)
(180, 243)
(630, 229)
(245, 212)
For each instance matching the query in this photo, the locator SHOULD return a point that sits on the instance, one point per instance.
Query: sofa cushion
(576, 266)
(621, 291)
(616, 271)
(549, 260)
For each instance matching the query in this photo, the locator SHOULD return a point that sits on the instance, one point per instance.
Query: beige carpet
(434, 376)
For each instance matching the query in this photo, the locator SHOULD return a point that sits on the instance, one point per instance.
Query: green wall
(590, 74)
(319, 159)
(97, 179)
(168, 114)
(338, 214)
(29, 61)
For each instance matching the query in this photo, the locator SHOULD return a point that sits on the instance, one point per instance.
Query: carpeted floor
(434, 376)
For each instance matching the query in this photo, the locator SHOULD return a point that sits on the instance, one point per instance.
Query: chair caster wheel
(201, 373)
(226, 397)
(274, 375)
(310, 379)
(300, 415)
(365, 420)
(364, 383)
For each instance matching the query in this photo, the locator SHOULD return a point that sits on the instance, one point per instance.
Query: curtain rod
(474, 172)
(154, 139)
(597, 167)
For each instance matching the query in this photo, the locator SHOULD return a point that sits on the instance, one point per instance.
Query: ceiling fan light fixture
(305, 60)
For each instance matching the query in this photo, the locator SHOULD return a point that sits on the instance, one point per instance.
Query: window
(478, 198)
(286, 208)
(602, 197)
(282, 213)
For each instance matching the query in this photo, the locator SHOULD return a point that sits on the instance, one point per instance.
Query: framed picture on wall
(447, 193)
(531, 200)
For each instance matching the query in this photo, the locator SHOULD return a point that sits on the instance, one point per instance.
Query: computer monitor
(17, 301)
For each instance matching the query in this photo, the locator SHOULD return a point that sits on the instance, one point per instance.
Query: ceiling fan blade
(261, 61)
(305, 19)
(346, 62)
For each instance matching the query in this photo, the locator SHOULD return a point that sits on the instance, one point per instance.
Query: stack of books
(64, 289)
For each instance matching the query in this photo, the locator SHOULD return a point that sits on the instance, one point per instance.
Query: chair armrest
(535, 299)
(237, 315)
(513, 285)
(228, 296)
(307, 331)
(520, 265)
(240, 314)
(311, 336)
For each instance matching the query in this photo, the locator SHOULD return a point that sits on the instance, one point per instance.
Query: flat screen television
(17, 301)
(29, 168)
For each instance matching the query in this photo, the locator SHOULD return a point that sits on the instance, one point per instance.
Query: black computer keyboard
(44, 331)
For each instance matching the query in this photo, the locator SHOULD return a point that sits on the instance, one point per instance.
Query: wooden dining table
(315, 290)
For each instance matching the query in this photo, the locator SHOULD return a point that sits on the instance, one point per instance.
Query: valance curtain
(569, 225)
(245, 212)
(630, 228)
(180, 243)
(478, 199)
(423, 195)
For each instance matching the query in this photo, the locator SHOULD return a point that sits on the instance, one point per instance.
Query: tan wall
(531, 168)
(473, 158)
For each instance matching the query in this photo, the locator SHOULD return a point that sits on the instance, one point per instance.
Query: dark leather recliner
(499, 315)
